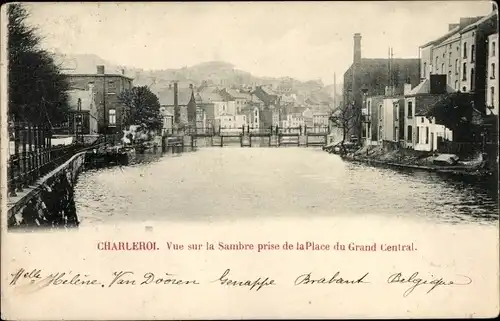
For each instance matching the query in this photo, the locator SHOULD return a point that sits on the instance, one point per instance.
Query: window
(436, 63)
(425, 70)
(418, 135)
(492, 73)
(492, 97)
(472, 54)
(456, 84)
(464, 71)
(456, 66)
(380, 111)
(421, 119)
(111, 87)
(409, 134)
(112, 117)
(410, 109)
(442, 69)
(472, 79)
(493, 49)
(465, 50)
(427, 135)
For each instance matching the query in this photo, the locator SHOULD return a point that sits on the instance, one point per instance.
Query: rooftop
(425, 88)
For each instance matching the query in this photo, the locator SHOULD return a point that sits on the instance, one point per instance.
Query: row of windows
(409, 137)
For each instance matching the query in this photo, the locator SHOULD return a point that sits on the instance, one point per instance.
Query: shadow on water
(472, 197)
(251, 183)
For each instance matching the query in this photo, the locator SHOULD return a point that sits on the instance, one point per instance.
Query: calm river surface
(228, 184)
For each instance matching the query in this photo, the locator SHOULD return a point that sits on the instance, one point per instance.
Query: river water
(230, 184)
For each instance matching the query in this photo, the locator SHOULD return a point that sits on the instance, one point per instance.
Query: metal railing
(31, 155)
(248, 130)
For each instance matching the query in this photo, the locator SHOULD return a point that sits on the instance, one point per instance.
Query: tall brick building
(370, 77)
(107, 87)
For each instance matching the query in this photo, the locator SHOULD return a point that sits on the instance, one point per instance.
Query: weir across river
(246, 136)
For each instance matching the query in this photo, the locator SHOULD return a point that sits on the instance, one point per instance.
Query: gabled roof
(236, 94)
(458, 29)
(480, 21)
(425, 88)
(166, 97)
(268, 91)
(210, 94)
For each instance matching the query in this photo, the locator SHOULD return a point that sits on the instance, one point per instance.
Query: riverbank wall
(50, 201)
(476, 167)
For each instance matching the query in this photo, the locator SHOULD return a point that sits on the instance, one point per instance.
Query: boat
(109, 155)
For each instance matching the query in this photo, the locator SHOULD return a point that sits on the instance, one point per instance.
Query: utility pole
(104, 102)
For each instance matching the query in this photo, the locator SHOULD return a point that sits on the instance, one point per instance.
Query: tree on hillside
(143, 107)
(37, 89)
(346, 119)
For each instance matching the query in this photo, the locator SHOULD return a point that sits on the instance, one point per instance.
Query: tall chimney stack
(176, 95)
(176, 101)
(357, 48)
(100, 70)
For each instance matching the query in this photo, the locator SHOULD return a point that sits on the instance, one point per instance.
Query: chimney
(388, 91)
(176, 96)
(438, 84)
(100, 70)
(357, 48)
(407, 89)
(452, 26)
(123, 71)
(191, 86)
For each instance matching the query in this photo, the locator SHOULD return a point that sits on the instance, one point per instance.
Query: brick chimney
(407, 89)
(100, 70)
(437, 84)
(357, 48)
(176, 96)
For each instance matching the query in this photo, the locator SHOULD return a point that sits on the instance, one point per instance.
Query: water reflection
(250, 183)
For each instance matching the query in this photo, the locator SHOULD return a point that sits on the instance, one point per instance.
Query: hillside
(212, 73)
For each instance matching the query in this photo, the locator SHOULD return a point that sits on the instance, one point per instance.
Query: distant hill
(218, 73)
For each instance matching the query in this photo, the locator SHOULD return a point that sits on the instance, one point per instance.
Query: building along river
(228, 184)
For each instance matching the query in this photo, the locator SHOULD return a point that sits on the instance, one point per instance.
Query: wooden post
(17, 183)
(37, 151)
(24, 156)
(11, 168)
(30, 154)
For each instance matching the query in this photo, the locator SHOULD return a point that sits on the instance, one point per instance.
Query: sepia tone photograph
(362, 131)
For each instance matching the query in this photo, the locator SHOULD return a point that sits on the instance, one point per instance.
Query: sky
(306, 41)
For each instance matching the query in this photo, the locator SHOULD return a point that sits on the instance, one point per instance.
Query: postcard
(254, 160)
